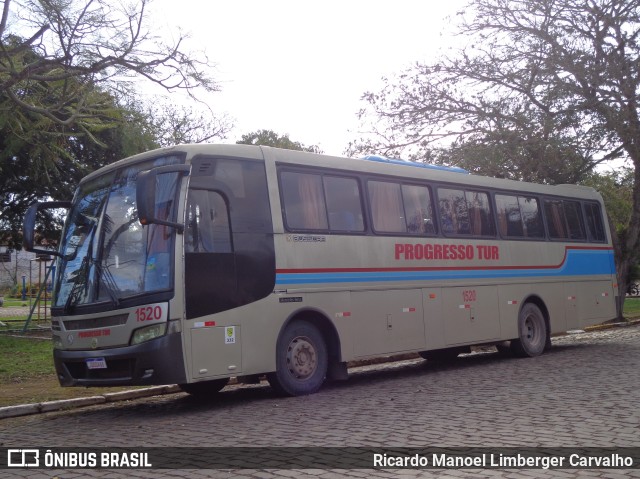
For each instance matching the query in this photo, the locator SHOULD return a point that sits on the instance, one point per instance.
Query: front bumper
(155, 362)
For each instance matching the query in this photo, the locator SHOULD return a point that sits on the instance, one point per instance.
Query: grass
(632, 308)
(27, 374)
(24, 358)
(12, 302)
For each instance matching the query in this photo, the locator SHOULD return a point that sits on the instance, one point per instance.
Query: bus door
(229, 255)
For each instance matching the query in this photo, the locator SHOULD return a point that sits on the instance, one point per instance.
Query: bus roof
(373, 164)
(396, 161)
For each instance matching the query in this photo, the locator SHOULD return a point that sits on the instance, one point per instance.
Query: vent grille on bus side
(204, 167)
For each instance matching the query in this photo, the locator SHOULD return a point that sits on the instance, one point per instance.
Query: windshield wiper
(109, 283)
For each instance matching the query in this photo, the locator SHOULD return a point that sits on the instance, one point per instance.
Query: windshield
(107, 255)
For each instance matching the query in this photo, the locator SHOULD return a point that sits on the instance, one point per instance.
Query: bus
(196, 263)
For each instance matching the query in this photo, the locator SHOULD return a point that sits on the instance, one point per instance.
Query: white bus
(197, 263)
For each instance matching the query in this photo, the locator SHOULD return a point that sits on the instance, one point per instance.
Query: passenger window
(343, 204)
(418, 208)
(316, 202)
(509, 217)
(531, 217)
(480, 214)
(574, 220)
(386, 207)
(454, 212)
(594, 222)
(564, 219)
(303, 199)
(556, 220)
(519, 216)
(465, 212)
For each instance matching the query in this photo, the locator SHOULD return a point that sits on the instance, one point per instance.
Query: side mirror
(29, 225)
(149, 202)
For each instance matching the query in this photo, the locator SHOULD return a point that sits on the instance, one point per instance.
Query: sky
(301, 67)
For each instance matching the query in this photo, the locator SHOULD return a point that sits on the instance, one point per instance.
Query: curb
(51, 406)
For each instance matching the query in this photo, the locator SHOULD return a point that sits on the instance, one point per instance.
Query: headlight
(57, 342)
(148, 333)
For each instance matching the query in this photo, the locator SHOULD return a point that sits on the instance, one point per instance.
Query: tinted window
(343, 204)
(418, 208)
(454, 213)
(564, 219)
(387, 210)
(574, 220)
(594, 222)
(465, 212)
(519, 216)
(399, 208)
(509, 217)
(304, 201)
(531, 217)
(316, 202)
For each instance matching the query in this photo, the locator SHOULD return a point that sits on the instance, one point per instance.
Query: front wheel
(532, 332)
(301, 360)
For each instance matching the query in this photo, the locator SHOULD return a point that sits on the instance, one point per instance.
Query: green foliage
(42, 159)
(24, 358)
(616, 188)
(271, 138)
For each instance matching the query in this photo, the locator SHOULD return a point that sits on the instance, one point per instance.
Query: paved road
(585, 392)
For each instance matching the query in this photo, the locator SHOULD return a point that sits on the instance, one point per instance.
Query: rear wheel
(301, 360)
(205, 388)
(532, 331)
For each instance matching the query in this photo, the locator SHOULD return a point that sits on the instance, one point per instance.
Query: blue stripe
(578, 263)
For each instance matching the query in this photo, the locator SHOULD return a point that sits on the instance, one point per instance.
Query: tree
(271, 138)
(174, 124)
(41, 159)
(65, 100)
(76, 45)
(538, 83)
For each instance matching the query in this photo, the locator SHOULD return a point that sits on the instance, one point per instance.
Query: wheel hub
(302, 359)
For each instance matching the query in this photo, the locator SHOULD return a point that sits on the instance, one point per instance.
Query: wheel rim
(302, 358)
(532, 331)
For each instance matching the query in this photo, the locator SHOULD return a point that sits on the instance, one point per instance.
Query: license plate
(96, 363)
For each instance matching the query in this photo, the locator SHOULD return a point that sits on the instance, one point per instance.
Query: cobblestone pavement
(584, 392)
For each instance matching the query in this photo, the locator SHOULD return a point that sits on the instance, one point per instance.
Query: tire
(301, 360)
(205, 388)
(532, 331)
